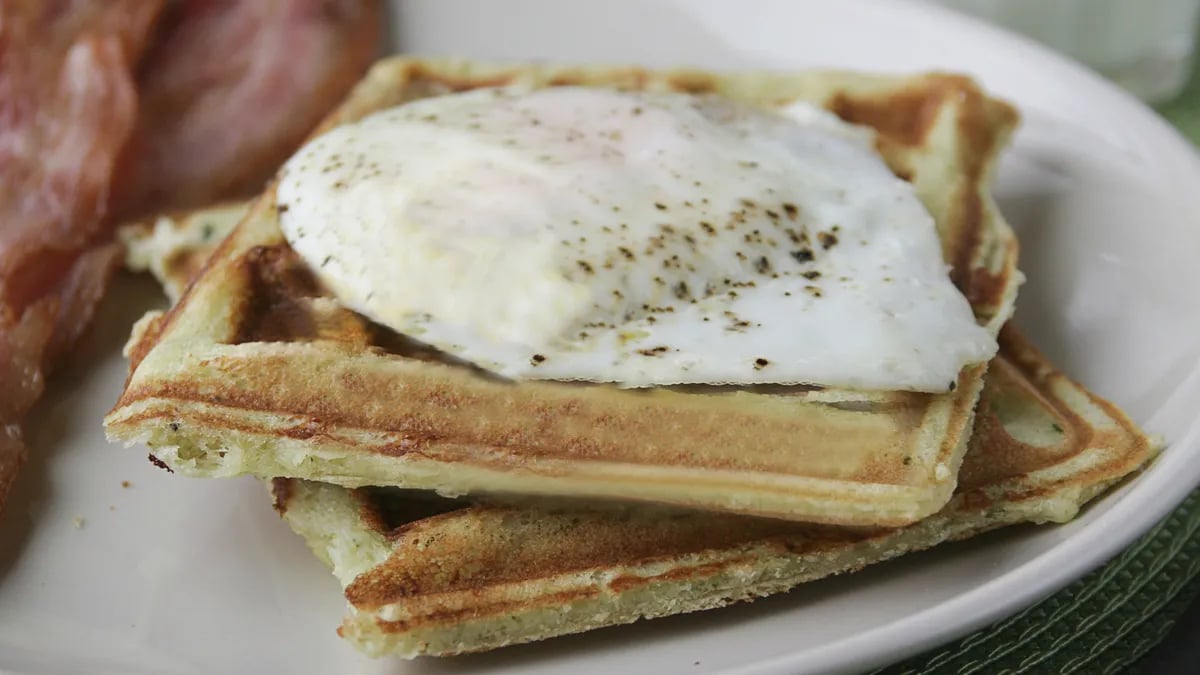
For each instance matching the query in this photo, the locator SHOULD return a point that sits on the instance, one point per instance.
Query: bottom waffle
(425, 575)
(428, 575)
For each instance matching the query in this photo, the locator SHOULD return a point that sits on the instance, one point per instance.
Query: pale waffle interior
(424, 575)
(257, 370)
(174, 247)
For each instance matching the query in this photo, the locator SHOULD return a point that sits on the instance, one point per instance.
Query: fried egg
(637, 238)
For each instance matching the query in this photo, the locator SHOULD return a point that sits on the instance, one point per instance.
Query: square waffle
(258, 370)
(441, 577)
(429, 575)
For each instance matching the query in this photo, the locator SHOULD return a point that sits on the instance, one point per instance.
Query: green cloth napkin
(1184, 111)
(1108, 620)
(1102, 623)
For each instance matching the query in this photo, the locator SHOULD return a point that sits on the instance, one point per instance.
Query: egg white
(637, 238)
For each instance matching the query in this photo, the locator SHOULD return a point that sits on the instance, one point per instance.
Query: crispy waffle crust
(257, 370)
(477, 577)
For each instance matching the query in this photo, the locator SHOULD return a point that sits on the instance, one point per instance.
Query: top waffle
(259, 370)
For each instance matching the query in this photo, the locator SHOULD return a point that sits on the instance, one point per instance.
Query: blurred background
(1146, 46)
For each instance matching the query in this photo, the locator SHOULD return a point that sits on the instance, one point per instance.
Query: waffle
(258, 370)
(477, 577)
(430, 575)
(427, 575)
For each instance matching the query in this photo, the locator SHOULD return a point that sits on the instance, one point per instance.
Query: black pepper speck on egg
(654, 351)
(803, 255)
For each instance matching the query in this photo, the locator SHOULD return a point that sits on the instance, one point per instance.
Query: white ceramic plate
(172, 575)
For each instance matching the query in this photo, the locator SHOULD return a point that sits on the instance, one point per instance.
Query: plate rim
(1135, 507)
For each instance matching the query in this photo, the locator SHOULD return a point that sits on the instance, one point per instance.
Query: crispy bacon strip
(226, 92)
(67, 106)
(232, 87)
